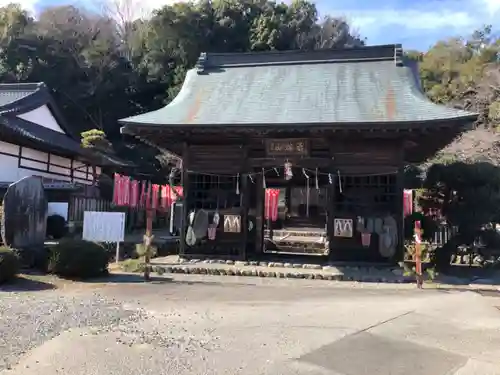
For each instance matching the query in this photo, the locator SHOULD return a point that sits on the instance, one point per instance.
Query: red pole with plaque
(418, 254)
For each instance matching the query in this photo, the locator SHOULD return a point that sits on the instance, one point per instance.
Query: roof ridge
(388, 52)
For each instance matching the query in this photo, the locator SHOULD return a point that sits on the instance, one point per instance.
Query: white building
(34, 139)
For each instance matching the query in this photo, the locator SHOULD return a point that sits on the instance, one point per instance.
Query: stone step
(298, 239)
(278, 233)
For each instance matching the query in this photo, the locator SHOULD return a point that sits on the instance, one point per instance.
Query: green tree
(466, 196)
(108, 65)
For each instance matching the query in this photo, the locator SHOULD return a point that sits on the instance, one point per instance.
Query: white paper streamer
(340, 181)
(288, 171)
(307, 191)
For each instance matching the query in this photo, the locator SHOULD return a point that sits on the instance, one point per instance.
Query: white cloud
(412, 19)
(493, 6)
(451, 16)
(136, 8)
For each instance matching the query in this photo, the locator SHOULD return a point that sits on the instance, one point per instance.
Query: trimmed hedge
(35, 257)
(9, 264)
(78, 259)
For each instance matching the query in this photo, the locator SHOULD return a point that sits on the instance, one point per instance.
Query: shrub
(33, 257)
(78, 259)
(56, 226)
(9, 264)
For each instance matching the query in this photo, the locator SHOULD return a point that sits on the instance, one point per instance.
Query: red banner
(116, 188)
(179, 191)
(119, 190)
(125, 191)
(147, 195)
(165, 200)
(134, 193)
(155, 190)
(143, 193)
(407, 202)
(142, 197)
(271, 204)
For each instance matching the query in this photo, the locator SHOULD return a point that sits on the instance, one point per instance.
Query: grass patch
(132, 265)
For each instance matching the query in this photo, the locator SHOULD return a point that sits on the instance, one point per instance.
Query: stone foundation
(284, 270)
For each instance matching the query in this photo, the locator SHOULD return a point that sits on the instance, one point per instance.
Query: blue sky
(417, 24)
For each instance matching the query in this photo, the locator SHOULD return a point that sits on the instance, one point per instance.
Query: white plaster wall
(10, 171)
(42, 157)
(60, 161)
(9, 148)
(44, 117)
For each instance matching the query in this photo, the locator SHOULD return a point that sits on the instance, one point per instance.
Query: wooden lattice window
(212, 192)
(367, 194)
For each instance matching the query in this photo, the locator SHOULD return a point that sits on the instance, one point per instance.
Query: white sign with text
(103, 226)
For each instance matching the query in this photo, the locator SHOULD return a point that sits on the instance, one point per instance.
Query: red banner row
(143, 194)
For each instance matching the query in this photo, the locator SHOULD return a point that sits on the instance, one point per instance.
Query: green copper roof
(362, 85)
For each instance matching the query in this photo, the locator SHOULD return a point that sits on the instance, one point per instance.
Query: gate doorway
(301, 224)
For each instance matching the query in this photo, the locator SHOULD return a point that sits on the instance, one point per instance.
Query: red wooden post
(418, 254)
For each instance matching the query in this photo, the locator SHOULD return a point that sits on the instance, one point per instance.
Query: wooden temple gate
(343, 122)
(332, 182)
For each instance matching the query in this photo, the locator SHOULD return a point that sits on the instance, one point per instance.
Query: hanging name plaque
(287, 147)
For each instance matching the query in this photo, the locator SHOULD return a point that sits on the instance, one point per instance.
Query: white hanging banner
(103, 226)
(342, 227)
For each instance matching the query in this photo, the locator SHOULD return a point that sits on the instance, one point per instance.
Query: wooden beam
(306, 162)
(185, 194)
(244, 191)
(259, 214)
(399, 256)
(332, 196)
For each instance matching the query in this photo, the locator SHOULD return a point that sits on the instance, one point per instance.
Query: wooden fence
(135, 217)
(442, 235)
(78, 205)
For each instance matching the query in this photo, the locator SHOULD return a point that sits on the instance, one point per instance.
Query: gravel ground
(27, 321)
(217, 325)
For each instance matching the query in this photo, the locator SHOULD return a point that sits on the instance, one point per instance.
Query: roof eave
(131, 127)
(40, 96)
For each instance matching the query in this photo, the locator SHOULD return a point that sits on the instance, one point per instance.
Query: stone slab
(368, 354)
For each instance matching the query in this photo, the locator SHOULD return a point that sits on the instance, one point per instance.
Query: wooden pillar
(244, 185)
(399, 255)
(259, 214)
(185, 200)
(332, 196)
